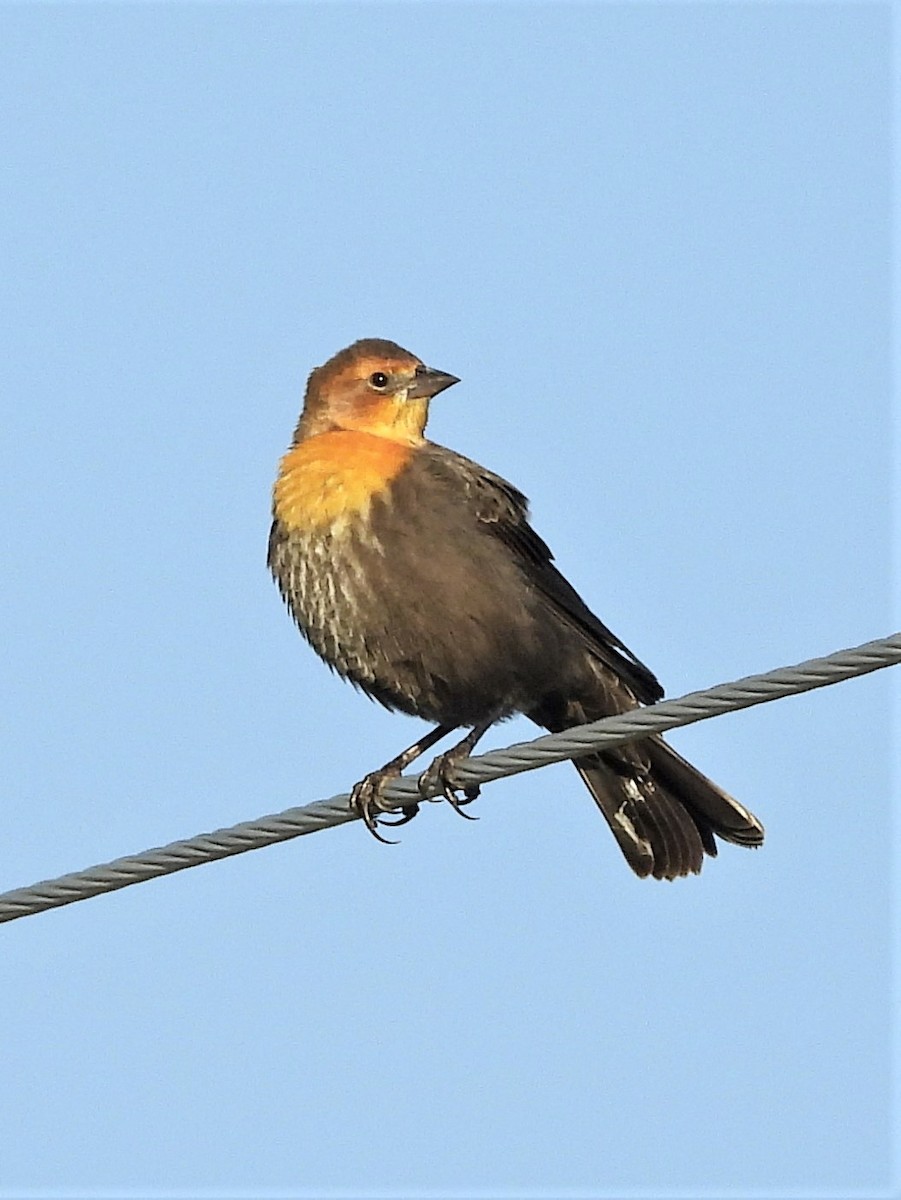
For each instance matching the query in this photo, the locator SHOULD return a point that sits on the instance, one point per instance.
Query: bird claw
(471, 793)
(440, 775)
(408, 812)
(366, 799)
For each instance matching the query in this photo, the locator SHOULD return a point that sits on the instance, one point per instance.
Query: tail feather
(658, 835)
(664, 818)
(664, 814)
(622, 814)
(721, 812)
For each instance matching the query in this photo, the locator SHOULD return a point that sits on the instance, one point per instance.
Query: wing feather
(504, 511)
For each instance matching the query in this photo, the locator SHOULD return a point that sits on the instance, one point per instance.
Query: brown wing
(504, 511)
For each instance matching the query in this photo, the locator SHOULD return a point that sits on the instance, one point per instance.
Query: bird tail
(664, 818)
(664, 814)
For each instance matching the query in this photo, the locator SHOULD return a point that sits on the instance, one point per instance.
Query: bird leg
(366, 795)
(440, 774)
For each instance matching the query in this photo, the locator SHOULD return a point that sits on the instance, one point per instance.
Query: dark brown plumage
(416, 575)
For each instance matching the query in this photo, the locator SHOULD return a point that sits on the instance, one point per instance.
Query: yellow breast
(329, 479)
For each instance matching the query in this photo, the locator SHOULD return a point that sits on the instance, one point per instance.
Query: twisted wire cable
(484, 768)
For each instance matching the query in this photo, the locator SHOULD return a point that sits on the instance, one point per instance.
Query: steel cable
(525, 756)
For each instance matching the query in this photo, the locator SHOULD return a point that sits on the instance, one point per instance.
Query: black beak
(429, 383)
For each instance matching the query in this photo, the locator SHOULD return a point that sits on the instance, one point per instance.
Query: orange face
(375, 387)
(371, 394)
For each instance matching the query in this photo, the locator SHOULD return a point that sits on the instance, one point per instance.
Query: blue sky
(654, 243)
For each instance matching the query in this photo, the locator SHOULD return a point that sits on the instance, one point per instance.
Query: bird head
(373, 386)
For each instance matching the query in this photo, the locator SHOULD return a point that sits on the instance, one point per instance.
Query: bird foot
(439, 775)
(366, 798)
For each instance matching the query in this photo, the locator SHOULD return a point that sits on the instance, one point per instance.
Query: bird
(415, 574)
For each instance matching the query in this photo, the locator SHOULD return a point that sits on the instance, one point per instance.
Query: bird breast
(409, 596)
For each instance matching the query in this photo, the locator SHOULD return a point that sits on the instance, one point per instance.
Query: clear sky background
(654, 242)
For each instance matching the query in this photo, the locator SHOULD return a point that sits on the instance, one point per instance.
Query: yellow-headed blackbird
(414, 573)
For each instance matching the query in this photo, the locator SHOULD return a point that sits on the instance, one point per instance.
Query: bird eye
(379, 380)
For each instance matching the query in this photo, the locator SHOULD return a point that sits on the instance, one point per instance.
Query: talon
(438, 775)
(458, 805)
(364, 798)
(409, 811)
